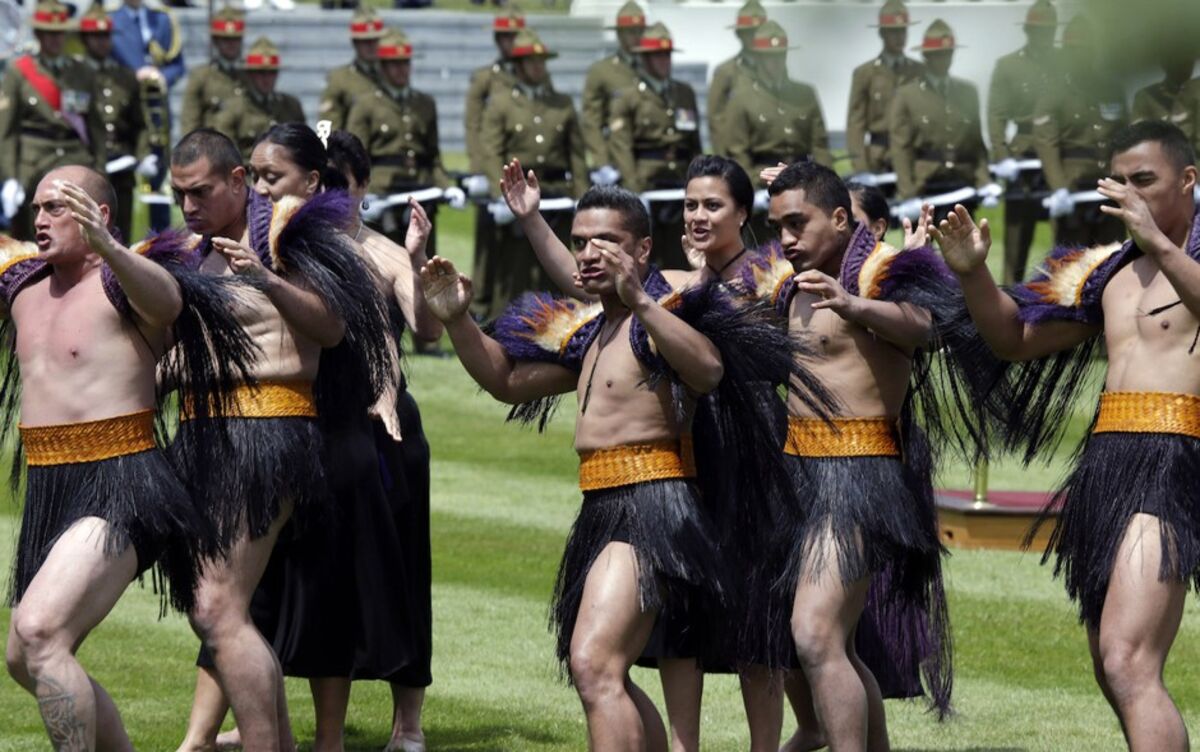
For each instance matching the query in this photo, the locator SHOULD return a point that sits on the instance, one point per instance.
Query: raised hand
(695, 258)
(1131, 209)
(624, 271)
(92, 221)
(831, 293)
(964, 245)
(448, 294)
(521, 191)
(419, 228)
(768, 174)
(242, 260)
(917, 236)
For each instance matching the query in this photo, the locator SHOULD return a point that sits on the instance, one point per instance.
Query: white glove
(374, 208)
(605, 175)
(476, 185)
(501, 214)
(1060, 203)
(455, 197)
(990, 194)
(1006, 169)
(148, 167)
(910, 208)
(12, 195)
(762, 200)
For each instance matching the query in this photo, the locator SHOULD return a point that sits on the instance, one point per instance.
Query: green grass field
(503, 499)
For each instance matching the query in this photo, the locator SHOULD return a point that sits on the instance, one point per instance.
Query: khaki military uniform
(728, 77)
(1159, 102)
(769, 124)
(606, 80)
(1073, 126)
(1188, 112)
(937, 138)
(1018, 79)
(872, 88)
(496, 77)
(35, 137)
(343, 88)
(125, 133)
(247, 117)
(209, 90)
(541, 129)
(653, 136)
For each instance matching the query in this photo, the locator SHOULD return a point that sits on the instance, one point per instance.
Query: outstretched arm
(688, 352)
(1180, 269)
(996, 315)
(302, 308)
(904, 325)
(153, 293)
(449, 295)
(523, 194)
(424, 324)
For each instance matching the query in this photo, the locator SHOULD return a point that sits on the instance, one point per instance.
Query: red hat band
(395, 52)
(655, 45)
(938, 43)
(505, 23)
(893, 19)
(229, 27)
(624, 22)
(50, 17)
(263, 61)
(770, 43)
(95, 24)
(744, 21)
(366, 27)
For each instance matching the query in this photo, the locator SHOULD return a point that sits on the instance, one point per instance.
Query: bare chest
(1141, 305)
(68, 330)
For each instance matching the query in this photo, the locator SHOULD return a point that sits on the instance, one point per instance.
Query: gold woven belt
(269, 399)
(847, 437)
(90, 441)
(636, 463)
(1149, 412)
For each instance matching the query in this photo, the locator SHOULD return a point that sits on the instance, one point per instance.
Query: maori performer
(1127, 539)
(89, 320)
(311, 293)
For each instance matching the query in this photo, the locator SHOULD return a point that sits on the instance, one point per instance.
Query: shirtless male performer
(275, 439)
(102, 502)
(1127, 541)
(614, 576)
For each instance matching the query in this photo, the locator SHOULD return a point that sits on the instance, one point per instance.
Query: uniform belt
(772, 158)
(842, 437)
(90, 441)
(1149, 412)
(669, 154)
(267, 399)
(880, 138)
(422, 162)
(1081, 152)
(636, 463)
(49, 135)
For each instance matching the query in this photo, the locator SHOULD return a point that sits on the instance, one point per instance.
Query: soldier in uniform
(221, 81)
(872, 88)
(1073, 125)
(538, 126)
(249, 116)
(1018, 79)
(654, 132)
(495, 77)
(935, 134)
(120, 105)
(1161, 101)
(357, 79)
(398, 125)
(606, 79)
(48, 116)
(735, 71)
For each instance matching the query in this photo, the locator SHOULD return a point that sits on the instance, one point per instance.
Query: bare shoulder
(679, 278)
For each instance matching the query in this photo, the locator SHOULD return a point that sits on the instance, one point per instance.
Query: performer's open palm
(964, 244)
(419, 228)
(624, 271)
(917, 236)
(87, 214)
(521, 190)
(1131, 209)
(447, 293)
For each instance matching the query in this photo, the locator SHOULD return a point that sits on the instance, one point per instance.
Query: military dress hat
(228, 22)
(750, 16)
(51, 16)
(770, 38)
(656, 39)
(509, 23)
(938, 37)
(263, 56)
(630, 16)
(528, 44)
(394, 45)
(1041, 13)
(366, 24)
(893, 15)
(95, 21)
(1078, 33)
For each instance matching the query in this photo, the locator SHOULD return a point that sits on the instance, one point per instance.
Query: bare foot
(229, 740)
(406, 743)
(804, 741)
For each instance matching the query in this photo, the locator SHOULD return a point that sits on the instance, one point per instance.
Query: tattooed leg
(67, 730)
